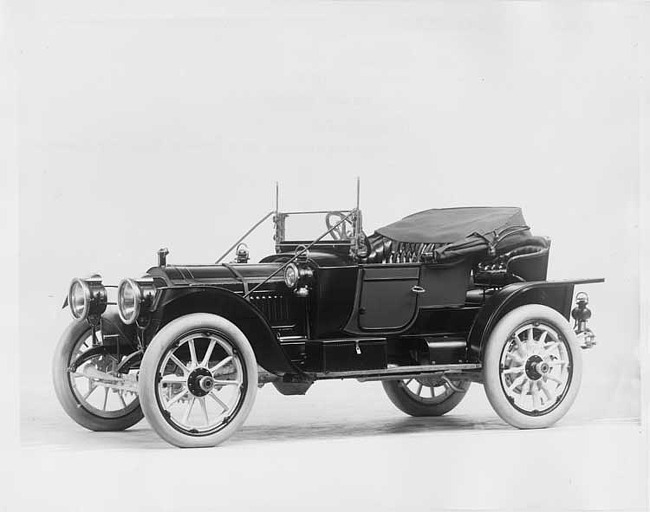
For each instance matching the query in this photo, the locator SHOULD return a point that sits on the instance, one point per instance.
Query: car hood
(222, 274)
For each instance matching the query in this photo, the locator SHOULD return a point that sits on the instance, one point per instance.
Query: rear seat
(528, 262)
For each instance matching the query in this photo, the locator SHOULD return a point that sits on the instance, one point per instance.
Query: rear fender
(205, 299)
(557, 295)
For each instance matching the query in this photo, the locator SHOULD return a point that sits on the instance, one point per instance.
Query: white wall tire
(532, 367)
(80, 397)
(198, 381)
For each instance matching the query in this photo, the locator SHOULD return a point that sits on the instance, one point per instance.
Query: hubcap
(206, 384)
(536, 368)
(200, 382)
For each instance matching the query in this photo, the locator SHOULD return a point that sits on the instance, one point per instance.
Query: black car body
(415, 305)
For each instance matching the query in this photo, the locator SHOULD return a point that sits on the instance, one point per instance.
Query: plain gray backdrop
(167, 124)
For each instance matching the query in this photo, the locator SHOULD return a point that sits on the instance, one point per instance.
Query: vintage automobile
(426, 305)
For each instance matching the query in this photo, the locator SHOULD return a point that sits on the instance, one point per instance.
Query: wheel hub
(536, 367)
(200, 382)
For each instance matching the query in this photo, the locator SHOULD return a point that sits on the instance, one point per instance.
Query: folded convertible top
(461, 231)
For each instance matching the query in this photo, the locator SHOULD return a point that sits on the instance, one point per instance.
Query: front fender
(111, 325)
(177, 302)
(113, 328)
(557, 295)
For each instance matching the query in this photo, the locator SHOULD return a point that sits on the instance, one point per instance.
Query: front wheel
(90, 400)
(532, 367)
(198, 380)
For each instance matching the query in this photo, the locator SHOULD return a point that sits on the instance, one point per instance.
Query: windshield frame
(279, 218)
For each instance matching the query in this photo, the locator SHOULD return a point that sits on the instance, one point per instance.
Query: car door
(387, 295)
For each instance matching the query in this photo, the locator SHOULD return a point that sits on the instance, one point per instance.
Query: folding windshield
(308, 226)
(338, 228)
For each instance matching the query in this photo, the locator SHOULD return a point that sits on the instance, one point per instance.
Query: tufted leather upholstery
(385, 250)
(527, 261)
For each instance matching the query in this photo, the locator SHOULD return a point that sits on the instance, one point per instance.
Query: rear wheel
(198, 380)
(93, 402)
(532, 367)
(425, 396)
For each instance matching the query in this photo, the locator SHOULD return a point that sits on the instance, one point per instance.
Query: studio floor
(342, 445)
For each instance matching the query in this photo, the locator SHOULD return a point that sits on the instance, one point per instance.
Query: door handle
(418, 289)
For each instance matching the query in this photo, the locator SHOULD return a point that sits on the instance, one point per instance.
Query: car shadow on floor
(67, 435)
(329, 430)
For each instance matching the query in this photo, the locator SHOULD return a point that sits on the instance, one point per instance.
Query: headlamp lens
(128, 301)
(291, 275)
(78, 298)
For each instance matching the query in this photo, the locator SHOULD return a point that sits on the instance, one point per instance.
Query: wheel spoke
(227, 382)
(193, 353)
(520, 346)
(179, 363)
(177, 397)
(550, 346)
(216, 399)
(535, 393)
(208, 353)
(93, 387)
(433, 393)
(516, 382)
(513, 369)
(119, 394)
(221, 364)
(516, 357)
(173, 379)
(105, 399)
(558, 362)
(546, 391)
(525, 389)
(189, 410)
(554, 379)
(542, 338)
(205, 410)
(408, 382)
(419, 388)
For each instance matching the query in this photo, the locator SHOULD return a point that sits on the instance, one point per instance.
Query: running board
(396, 372)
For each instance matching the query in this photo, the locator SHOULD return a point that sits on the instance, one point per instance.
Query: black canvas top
(447, 225)
(460, 231)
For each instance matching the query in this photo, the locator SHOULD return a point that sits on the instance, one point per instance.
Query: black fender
(113, 329)
(177, 302)
(111, 325)
(557, 295)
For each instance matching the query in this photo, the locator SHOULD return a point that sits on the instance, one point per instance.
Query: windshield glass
(308, 226)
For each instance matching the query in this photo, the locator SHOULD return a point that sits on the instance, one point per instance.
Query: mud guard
(557, 295)
(212, 299)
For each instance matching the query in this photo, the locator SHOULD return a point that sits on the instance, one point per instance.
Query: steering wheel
(341, 232)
